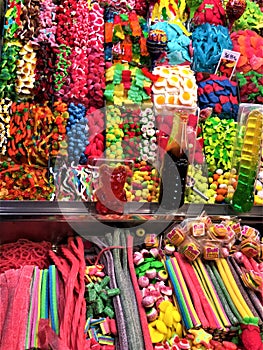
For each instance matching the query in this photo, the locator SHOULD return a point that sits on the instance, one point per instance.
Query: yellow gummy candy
(156, 337)
(176, 316)
(168, 316)
(164, 304)
(169, 333)
(161, 316)
(161, 327)
(152, 324)
(179, 330)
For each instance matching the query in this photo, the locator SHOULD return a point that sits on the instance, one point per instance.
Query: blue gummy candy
(226, 107)
(212, 97)
(203, 99)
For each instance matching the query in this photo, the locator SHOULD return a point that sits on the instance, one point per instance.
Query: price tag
(227, 63)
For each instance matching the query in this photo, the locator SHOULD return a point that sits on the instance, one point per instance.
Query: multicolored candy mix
(250, 45)
(218, 93)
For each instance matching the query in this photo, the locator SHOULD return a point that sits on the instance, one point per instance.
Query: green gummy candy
(157, 264)
(89, 312)
(145, 267)
(92, 295)
(104, 296)
(113, 292)
(109, 312)
(105, 281)
(149, 259)
(97, 287)
(99, 306)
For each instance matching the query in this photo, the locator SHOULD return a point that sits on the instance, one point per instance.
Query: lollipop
(156, 43)
(234, 10)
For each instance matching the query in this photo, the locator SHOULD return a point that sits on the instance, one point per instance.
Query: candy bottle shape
(174, 167)
(243, 198)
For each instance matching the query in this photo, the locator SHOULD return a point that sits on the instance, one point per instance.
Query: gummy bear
(111, 200)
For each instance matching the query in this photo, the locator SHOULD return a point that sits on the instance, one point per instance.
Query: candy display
(249, 44)
(175, 86)
(82, 80)
(217, 131)
(243, 198)
(234, 10)
(178, 41)
(210, 11)
(218, 93)
(107, 293)
(150, 113)
(251, 18)
(208, 44)
(251, 87)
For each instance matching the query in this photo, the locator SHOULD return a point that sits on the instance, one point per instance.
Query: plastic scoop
(190, 182)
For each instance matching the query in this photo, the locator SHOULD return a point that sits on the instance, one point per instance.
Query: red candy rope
(24, 252)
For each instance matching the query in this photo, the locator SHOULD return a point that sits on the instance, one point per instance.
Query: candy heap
(209, 291)
(208, 44)
(175, 86)
(61, 61)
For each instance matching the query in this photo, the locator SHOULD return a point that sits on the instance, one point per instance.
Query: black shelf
(54, 221)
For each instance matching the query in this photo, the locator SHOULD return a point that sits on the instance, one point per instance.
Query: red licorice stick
(192, 289)
(254, 265)
(206, 307)
(245, 261)
(66, 323)
(142, 313)
(79, 317)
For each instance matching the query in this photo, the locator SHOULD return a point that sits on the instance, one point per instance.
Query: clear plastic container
(246, 157)
(174, 155)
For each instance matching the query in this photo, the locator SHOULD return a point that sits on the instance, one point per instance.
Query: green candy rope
(53, 298)
(44, 295)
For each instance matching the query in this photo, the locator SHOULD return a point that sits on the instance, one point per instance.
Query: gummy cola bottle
(174, 165)
(243, 198)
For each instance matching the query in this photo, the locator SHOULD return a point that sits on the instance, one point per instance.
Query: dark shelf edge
(45, 208)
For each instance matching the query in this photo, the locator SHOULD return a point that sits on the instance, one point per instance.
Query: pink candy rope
(24, 252)
(14, 305)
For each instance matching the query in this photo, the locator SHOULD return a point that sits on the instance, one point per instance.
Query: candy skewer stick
(231, 316)
(179, 295)
(228, 286)
(194, 317)
(193, 291)
(219, 323)
(214, 295)
(226, 293)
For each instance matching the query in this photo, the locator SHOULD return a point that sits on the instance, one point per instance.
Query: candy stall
(131, 175)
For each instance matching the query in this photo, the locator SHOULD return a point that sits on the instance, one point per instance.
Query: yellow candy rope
(207, 294)
(213, 295)
(196, 320)
(232, 294)
(200, 277)
(235, 287)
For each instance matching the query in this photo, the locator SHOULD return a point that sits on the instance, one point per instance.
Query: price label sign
(227, 63)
